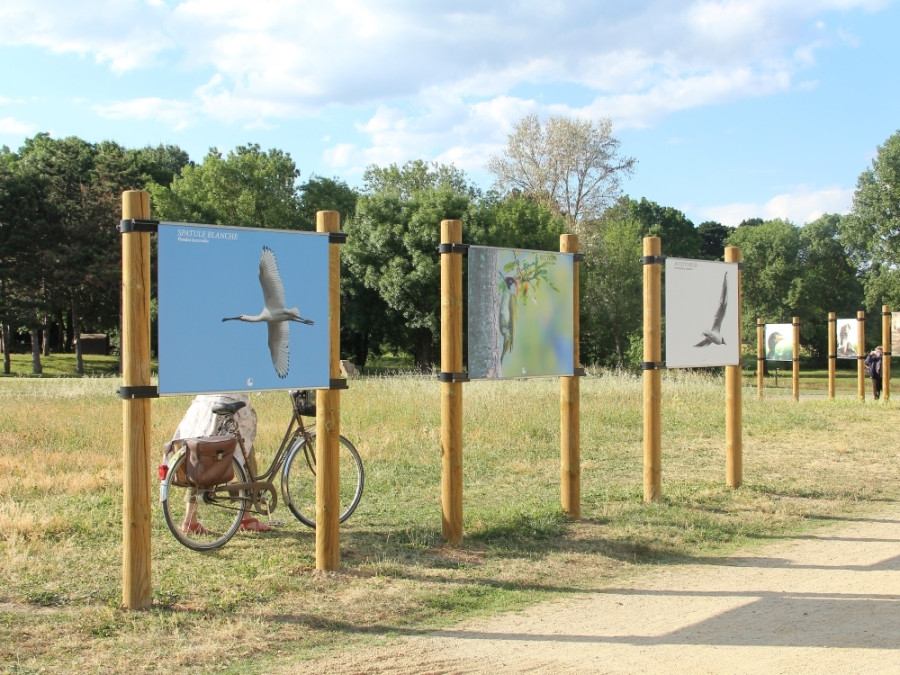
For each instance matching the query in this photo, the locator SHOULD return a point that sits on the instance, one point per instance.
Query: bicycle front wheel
(298, 479)
(202, 519)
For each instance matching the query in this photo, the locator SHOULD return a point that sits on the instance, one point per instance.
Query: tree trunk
(36, 367)
(7, 349)
(76, 337)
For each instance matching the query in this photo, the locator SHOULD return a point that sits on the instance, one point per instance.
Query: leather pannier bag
(209, 460)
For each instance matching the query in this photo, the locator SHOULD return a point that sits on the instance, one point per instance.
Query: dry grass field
(259, 599)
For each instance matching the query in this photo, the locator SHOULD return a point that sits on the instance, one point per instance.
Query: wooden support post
(886, 348)
(451, 392)
(136, 411)
(760, 356)
(796, 370)
(328, 416)
(570, 406)
(861, 358)
(832, 352)
(652, 372)
(734, 397)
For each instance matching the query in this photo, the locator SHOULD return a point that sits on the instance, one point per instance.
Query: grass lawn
(806, 463)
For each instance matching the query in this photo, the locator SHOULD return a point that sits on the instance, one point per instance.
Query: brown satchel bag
(209, 460)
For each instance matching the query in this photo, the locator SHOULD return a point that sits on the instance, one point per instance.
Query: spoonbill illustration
(713, 336)
(274, 313)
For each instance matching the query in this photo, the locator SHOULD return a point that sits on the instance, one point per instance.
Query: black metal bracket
(453, 248)
(652, 259)
(138, 225)
(578, 257)
(832, 320)
(886, 313)
(652, 365)
(146, 391)
(337, 237)
(740, 266)
(453, 377)
(579, 372)
(337, 384)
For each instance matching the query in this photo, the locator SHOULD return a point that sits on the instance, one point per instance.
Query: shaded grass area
(260, 596)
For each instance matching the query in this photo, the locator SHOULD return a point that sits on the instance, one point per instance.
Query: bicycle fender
(164, 485)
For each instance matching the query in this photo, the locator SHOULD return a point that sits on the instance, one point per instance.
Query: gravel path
(824, 602)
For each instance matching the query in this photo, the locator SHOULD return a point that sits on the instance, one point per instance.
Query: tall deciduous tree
(391, 245)
(872, 231)
(248, 188)
(573, 167)
(771, 276)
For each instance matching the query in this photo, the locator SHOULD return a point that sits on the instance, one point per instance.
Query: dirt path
(823, 602)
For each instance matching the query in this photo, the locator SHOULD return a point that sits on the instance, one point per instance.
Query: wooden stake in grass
(451, 391)
(861, 358)
(328, 416)
(796, 369)
(832, 351)
(886, 349)
(136, 411)
(652, 373)
(760, 356)
(570, 407)
(734, 398)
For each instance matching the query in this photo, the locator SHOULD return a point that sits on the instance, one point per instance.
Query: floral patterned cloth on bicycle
(200, 420)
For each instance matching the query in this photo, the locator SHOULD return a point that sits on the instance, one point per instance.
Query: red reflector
(163, 471)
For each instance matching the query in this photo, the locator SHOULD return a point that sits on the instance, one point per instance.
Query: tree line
(60, 254)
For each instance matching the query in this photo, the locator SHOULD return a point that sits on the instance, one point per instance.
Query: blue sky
(733, 108)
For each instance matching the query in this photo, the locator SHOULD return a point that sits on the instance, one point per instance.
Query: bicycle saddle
(228, 408)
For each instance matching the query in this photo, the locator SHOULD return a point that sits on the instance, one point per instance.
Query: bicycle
(206, 518)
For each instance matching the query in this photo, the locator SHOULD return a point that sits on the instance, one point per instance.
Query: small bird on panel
(509, 311)
(714, 336)
(274, 313)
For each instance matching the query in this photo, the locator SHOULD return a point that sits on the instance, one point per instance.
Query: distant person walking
(873, 365)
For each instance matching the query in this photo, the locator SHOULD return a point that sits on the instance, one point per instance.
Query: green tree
(326, 194)
(871, 233)
(248, 188)
(612, 288)
(770, 281)
(572, 167)
(827, 283)
(713, 236)
(391, 247)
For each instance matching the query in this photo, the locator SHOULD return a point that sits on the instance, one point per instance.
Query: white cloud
(12, 126)
(174, 114)
(802, 206)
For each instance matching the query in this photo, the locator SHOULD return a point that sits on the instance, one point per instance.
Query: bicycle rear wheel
(202, 519)
(298, 479)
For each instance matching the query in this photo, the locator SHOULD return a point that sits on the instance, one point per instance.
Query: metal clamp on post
(652, 259)
(579, 372)
(337, 237)
(740, 266)
(453, 248)
(578, 257)
(138, 225)
(337, 384)
(147, 391)
(453, 377)
(652, 365)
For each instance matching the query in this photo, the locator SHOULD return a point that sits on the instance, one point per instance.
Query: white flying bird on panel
(274, 313)
(714, 334)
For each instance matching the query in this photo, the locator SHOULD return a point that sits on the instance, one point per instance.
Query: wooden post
(861, 358)
(886, 349)
(570, 405)
(652, 372)
(328, 415)
(760, 356)
(796, 370)
(832, 352)
(734, 397)
(136, 411)
(451, 392)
